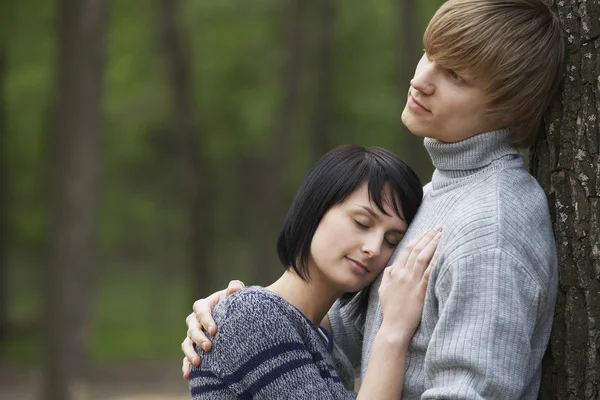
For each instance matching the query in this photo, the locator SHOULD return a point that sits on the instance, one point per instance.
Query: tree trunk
(75, 166)
(287, 121)
(194, 174)
(4, 314)
(409, 51)
(566, 161)
(268, 195)
(321, 140)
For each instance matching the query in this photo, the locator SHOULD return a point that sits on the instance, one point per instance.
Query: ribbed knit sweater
(490, 301)
(267, 349)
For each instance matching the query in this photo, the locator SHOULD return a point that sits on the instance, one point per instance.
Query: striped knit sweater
(268, 349)
(490, 301)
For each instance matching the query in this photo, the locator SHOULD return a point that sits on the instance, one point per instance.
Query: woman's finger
(432, 263)
(424, 258)
(402, 259)
(420, 246)
(387, 275)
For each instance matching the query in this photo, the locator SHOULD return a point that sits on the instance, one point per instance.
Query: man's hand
(201, 320)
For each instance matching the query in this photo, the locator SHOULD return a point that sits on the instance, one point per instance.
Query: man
(489, 71)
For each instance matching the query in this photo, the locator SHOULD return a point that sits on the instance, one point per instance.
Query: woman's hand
(404, 283)
(201, 320)
(401, 295)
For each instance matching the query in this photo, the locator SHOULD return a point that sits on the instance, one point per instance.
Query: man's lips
(417, 102)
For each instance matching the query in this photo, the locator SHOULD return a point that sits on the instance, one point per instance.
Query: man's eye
(454, 75)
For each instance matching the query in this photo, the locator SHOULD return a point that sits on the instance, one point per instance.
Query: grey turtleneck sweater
(490, 301)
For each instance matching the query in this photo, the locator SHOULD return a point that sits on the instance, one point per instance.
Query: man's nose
(423, 81)
(422, 84)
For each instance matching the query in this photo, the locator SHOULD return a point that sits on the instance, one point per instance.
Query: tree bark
(75, 166)
(566, 162)
(193, 170)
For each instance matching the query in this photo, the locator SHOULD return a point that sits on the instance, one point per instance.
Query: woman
(349, 214)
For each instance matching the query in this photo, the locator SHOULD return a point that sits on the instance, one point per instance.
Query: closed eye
(392, 244)
(361, 226)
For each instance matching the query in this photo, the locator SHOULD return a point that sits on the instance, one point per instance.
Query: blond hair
(515, 47)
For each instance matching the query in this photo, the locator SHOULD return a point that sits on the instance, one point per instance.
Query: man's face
(444, 106)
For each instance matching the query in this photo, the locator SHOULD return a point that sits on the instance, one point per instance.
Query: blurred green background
(210, 117)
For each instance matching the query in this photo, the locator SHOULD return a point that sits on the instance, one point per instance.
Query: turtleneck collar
(469, 156)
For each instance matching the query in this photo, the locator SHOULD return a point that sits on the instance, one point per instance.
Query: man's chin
(411, 124)
(412, 128)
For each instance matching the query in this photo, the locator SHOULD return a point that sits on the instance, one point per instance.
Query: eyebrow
(374, 215)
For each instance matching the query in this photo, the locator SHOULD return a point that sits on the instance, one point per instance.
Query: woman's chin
(352, 287)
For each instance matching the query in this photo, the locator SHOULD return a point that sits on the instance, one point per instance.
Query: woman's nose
(372, 246)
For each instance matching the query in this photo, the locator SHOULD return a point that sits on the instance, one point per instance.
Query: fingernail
(438, 236)
(437, 228)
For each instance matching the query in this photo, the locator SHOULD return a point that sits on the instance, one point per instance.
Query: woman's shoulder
(255, 319)
(250, 297)
(251, 305)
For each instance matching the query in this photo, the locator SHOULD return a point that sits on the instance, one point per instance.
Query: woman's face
(354, 242)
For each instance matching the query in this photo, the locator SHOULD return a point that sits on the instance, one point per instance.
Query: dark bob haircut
(336, 176)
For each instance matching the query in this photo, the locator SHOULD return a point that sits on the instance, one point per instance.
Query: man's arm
(482, 347)
(200, 320)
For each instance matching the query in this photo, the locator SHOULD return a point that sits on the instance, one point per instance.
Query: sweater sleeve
(346, 334)
(481, 346)
(258, 353)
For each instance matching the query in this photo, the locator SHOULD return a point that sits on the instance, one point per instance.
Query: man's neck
(473, 153)
(454, 162)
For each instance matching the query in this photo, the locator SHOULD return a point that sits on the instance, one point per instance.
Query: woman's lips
(357, 266)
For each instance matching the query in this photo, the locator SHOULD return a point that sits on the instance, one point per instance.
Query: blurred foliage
(236, 50)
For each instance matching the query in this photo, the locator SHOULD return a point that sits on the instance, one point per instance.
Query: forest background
(209, 114)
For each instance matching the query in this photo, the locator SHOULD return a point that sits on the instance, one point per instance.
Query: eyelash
(390, 244)
(387, 242)
(360, 225)
(451, 72)
(454, 75)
